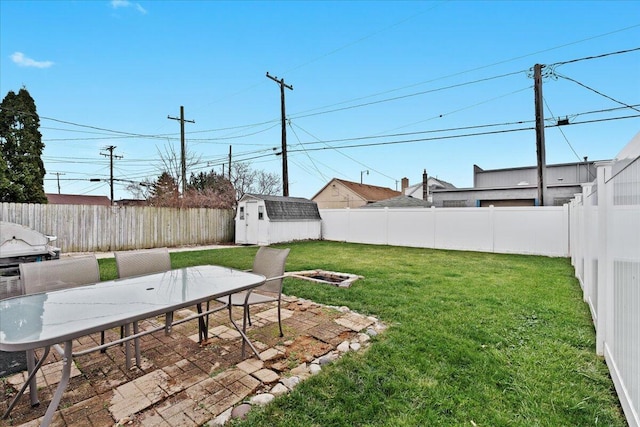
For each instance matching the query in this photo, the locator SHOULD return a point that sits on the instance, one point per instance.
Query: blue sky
(386, 87)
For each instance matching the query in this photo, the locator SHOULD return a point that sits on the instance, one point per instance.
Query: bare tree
(246, 180)
(171, 162)
(140, 190)
(268, 183)
(242, 178)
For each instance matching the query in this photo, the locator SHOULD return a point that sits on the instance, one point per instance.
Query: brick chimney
(404, 185)
(425, 186)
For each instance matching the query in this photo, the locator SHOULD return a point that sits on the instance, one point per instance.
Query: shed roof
(280, 208)
(399, 202)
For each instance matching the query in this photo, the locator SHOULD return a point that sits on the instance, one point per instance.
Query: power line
(408, 95)
(588, 58)
(464, 108)
(483, 67)
(561, 131)
(341, 153)
(310, 159)
(408, 141)
(460, 128)
(256, 154)
(595, 91)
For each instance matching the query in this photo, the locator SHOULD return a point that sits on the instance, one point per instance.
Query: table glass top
(43, 319)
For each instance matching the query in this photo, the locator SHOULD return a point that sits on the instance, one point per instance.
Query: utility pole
(58, 176)
(111, 157)
(183, 159)
(425, 186)
(229, 163)
(540, 146)
(285, 172)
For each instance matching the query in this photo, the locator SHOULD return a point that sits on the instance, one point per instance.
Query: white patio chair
(137, 263)
(143, 261)
(55, 275)
(58, 274)
(270, 263)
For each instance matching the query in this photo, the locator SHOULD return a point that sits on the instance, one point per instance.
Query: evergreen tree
(21, 167)
(164, 192)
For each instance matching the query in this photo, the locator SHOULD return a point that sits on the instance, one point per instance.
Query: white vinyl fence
(521, 230)
(605, 252)
(89, 228)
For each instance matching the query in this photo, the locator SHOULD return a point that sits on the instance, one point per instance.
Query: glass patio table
(48, 319)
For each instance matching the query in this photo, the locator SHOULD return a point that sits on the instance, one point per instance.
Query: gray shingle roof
(281, 208)
(399, 202)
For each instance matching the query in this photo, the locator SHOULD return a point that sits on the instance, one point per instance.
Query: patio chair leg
(136, 344)
(127, 347)
(200, 324)
(30, 382)
(280, 319)
(32, 362)
(245, 317)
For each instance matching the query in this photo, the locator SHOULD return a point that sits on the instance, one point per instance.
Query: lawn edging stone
(366, 328)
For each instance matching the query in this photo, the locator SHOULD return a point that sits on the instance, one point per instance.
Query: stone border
(306, 275)
(360, 342)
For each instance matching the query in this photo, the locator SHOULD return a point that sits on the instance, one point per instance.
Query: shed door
(251, 222)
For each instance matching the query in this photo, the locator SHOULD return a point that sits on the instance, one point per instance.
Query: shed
(263, 219)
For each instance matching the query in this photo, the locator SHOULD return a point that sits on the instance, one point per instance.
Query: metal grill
(19, 244)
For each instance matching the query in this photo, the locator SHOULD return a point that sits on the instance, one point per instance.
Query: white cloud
(116, 4)
(120, 3)
(23, 61)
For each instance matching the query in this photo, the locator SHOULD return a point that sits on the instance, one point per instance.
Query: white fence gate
(605, 252)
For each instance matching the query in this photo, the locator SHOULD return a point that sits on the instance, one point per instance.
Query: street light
(362, 172)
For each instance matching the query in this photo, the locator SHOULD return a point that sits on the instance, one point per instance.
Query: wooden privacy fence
(90, 228)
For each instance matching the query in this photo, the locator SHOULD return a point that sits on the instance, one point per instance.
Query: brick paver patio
(180, 382)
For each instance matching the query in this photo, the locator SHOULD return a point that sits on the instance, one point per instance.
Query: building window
(260, 212)
(241, 212)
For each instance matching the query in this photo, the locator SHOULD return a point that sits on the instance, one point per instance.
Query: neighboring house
(263, 220)
(518, 186)
(422, 191)
(339, 193)
(77, 199)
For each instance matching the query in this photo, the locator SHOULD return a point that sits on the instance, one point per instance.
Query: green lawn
(473, 339)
